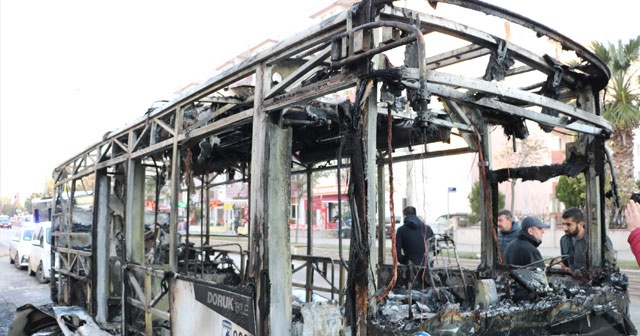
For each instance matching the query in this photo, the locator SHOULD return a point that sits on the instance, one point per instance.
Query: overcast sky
(72, 70)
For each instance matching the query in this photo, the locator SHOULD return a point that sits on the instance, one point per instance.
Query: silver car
(20, 247)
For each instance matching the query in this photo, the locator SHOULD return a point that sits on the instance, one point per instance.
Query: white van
(20, 247)
(40, 257)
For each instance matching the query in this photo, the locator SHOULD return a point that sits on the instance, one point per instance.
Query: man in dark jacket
(507, 230)
(574, 242)
(524, 250)
(411, 238)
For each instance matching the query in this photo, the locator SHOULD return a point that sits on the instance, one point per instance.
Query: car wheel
(16, 262)
(11, 261)
(29, 270)
(40, 274)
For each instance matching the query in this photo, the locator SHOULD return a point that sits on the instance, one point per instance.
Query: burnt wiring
(187, 174)
(487, 196)
(355, 310)
(355, 126)
(614, 185)
(394, 252)
(340, 228)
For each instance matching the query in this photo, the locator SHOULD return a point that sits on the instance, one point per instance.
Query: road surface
(16, 286)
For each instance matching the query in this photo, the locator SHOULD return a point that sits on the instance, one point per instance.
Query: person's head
(573, 221)
(534, 226)
(505, 220)
(409, 211)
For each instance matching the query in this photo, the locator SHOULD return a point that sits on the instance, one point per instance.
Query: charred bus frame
(133, 274)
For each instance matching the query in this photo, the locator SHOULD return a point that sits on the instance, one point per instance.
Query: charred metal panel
(279, 252)
(559, 306)
(319, 318)
(102, 268)
(29, 319)
(76, 321)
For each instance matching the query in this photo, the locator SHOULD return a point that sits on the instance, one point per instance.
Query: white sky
(72, 70)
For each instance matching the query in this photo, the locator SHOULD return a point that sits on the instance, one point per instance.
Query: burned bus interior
(139, 250)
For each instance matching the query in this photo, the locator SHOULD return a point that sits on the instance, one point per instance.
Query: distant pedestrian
(236, 224)
(411, 238)
(632, 215)
(524, 250)
(508, 230)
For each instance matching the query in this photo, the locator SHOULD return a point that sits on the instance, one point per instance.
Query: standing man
(411, 239)
(574, 243)
(507, 230)
(236, 224)
(523, 251)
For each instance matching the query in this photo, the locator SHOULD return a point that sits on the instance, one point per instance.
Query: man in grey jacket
(574, 243)
(507, 230)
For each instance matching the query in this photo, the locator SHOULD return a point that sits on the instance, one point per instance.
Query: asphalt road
(16, 286)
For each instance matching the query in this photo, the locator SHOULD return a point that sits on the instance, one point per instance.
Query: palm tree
(621, 106)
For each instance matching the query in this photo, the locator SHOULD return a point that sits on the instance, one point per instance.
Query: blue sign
(452, 189)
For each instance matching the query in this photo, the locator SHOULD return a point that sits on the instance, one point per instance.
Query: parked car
(346, 228)
(445, 224)
(40, 255)
(5, 221)
(387, 225)
(15, 221)
(20, 247)
(27, 220)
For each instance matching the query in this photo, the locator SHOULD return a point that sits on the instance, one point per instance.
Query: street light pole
(449, 191)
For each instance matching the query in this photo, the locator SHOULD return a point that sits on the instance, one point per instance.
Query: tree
(571, 191)
(475, 204)
(621, 106)
(8, 206)
(530, 151)
(49, 187)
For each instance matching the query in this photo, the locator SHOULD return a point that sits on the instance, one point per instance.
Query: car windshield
(4, 219)
(27, 234)
(398, 220)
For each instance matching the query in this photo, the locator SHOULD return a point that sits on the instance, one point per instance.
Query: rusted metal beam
(600, 71)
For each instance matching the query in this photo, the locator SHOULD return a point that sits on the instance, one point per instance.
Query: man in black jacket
(524, 250)
(411, 239)
(508, 230)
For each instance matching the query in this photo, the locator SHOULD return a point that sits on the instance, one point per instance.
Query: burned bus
(358, 92)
